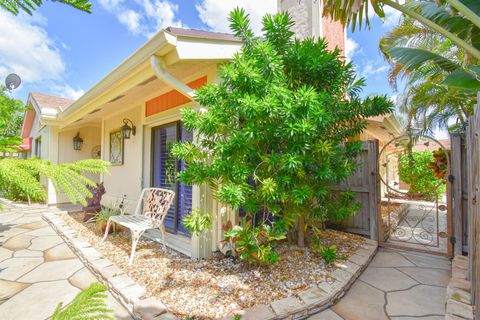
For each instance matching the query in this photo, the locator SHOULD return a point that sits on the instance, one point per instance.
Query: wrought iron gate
(414, 188)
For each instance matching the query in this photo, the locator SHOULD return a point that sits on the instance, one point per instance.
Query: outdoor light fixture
(127, 130)
(77, 142)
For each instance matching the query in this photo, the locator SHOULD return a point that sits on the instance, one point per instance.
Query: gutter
(158, 67)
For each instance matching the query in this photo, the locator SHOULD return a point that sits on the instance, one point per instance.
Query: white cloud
(351, 48)
(131, 19)
(214, 13)
(67, 91)
(371, 68)
(392, 16)
(26, 49)
(144, 17)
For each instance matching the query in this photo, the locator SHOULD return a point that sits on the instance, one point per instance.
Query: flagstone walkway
(37, 268)
(397, 285)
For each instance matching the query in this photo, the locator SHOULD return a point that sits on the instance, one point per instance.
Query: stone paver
(13, 268)
(38, 301)
(390, 260)
(45, 242)
(326, 315)
(82, 278)
(60, 252)
(54, 270)
(18, 242)
(436, 277)
(418, 301)
(362, 302)
(38, 270)
(10, 288)
(387, 279)
(397, 285)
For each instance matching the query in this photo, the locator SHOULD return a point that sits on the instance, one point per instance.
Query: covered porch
(147, 92)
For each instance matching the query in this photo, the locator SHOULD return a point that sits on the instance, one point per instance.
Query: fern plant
(20, 179)
(88, 304)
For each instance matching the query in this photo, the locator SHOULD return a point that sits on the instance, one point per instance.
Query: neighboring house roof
(42, 105)
(201, 34)
(46, 101)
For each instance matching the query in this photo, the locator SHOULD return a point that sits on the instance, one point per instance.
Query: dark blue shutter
(184, 191)
(164, 165)
(165, 169)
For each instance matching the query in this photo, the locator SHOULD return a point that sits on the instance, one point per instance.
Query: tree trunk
(301, 231)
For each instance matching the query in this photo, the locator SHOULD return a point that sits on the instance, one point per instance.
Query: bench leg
(136, 234)
(162, 230)
(107, 228)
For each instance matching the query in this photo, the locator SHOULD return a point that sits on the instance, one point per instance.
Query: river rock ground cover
(218, 286)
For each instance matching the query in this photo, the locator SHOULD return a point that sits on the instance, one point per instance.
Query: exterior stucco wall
(90, 136)
(306, 14)
(66, 154)
(334, 32)
(125, 179)
(309, 22)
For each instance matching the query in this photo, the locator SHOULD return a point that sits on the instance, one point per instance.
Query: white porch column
(52, 156)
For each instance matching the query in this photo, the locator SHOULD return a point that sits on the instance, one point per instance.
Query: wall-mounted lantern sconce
(127, 130)
(77, 142)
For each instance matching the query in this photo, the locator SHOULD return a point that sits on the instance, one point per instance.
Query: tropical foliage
(87, 305)
(10, 122)
(436, 47)
(415, 169)
(20, 179)
(427, 100)
(197, 221)
(28, 6)
(275, 131)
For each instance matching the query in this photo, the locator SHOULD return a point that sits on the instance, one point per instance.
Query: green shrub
(274, 134)
(415, 170)
(197, 221)
(106, 213)
(254, 244)
(328, 253)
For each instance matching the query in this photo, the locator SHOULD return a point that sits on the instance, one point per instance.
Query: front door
(165, 169)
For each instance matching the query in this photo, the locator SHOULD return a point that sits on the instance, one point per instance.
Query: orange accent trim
(171, 99)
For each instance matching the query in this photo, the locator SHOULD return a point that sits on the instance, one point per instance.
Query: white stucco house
(147, 91)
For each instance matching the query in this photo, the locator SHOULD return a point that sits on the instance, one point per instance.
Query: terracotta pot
(103, 227)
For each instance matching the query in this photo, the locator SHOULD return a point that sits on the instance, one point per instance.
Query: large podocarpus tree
(274, 133)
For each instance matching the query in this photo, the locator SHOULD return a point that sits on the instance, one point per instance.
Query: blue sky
(64, 52)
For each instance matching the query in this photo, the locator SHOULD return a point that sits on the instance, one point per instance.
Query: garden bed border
(132, 295)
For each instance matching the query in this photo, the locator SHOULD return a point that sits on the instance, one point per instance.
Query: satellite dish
(12, 81)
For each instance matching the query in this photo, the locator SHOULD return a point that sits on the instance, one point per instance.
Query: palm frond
(413, 58)
(28, 6)
(19, 177)
(87, 305)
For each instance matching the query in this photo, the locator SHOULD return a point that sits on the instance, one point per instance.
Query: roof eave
(162, 42)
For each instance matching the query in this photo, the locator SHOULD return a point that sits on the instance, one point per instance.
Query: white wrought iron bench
(152, 207)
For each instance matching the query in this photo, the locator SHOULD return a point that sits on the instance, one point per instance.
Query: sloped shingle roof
(52, 102)
(202, 34)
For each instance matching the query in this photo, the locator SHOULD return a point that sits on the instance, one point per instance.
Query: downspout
(158, 66)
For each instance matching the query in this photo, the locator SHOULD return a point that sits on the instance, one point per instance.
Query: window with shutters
(165, 169)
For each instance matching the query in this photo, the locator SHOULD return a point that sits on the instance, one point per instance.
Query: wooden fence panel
(459, 170)
(474, 192)
(365, 183)
(457, 203)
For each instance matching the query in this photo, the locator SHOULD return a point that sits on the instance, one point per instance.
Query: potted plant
(102, 217)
